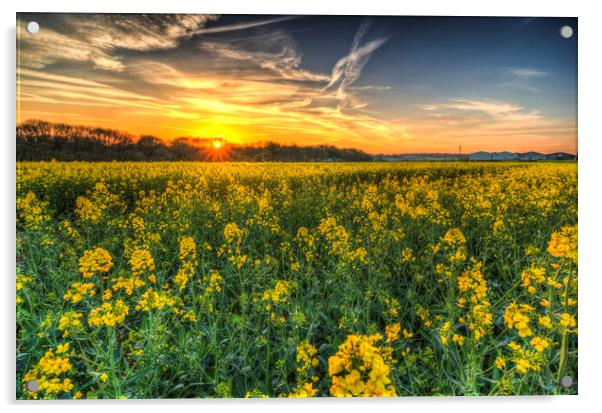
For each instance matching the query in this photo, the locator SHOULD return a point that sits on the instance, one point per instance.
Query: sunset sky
(381, 84)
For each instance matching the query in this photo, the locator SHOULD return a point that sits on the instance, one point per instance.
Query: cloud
(489, 107)
(349, 68)
(276, 53)
(254, 88)
(528, 73)
(244, 26)
(493, 125)
(97, 37)
(523, 78)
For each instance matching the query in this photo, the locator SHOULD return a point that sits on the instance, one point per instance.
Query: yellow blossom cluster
(92, 208)
(214, 282)
(306, 356)
(233, 234)
(531, 277)
(32, 212)
(21, 281)
(525, 360)
(306, 364)
(95, 261)
(271, 300)
(108, 314)
(424, 314)
(304, 390)
(360, 368)
(392, 332)
(517, 316)
(141, 262)
(307, 242)
(188, 262)
(338, 242)
(473, 295)
(564, 244)
(70, 322)
(152, 299)
(77, 291)
(49, 375)
(454, 245)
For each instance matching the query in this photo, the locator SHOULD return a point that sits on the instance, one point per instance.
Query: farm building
(560, 156)
(492, 156)
(531, 156)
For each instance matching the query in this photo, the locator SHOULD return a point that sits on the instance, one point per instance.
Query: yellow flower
(32, 212)
(540, 344)
(152, 299)
(305, 356)
(516, 316)
(567, 320)
(103, 377)
(70, 322)
(392, 332)
(500, 363)
(454, 236)
(78, 291)
(304, 390)
(444, 333)
(49, 373)
(360, 368)
(141, 261)
(545, 322)
(62, 348)
(108, 314)
(563, 243)
(458, 339)
(95, 261)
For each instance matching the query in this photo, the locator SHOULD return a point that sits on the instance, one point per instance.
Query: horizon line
(137, 136)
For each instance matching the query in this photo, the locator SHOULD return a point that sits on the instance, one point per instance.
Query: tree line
(42, 141)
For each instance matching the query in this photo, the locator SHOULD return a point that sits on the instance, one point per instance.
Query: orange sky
(256, 91)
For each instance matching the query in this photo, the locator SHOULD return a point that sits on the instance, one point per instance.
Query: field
(177, 280)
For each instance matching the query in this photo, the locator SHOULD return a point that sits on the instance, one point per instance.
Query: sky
(381, 84)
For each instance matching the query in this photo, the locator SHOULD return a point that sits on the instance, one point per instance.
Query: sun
(218, 149)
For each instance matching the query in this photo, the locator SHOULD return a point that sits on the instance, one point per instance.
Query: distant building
(480, 156)
(531, 156)
(504, 156)
(492, 156)
(560, 156)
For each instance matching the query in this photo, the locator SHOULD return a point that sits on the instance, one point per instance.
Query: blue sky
(382, 84)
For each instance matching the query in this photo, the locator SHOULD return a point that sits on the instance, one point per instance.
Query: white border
(590, 205)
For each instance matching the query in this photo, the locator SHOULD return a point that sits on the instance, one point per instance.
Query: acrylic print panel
(295, 206)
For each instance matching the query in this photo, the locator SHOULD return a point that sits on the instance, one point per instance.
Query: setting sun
(217, 144)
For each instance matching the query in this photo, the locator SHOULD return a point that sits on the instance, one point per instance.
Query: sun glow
(217, 144)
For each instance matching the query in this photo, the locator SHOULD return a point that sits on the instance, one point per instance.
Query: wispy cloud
(528, 73)
(245, 26)
(277, 54)
(95, 38)
(489, 107)
(525, 78)
(349, 68)
(485, 124)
